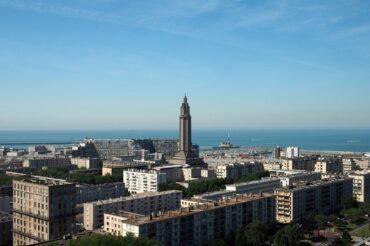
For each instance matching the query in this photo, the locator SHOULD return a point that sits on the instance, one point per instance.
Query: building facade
(323, 196)
(89, 193)
(49, 162)
(43, 210)
(329, 165)
(236, 170)
(144, 203)
(195, 225)
(361, 185)
(140, 181)
(349, 165)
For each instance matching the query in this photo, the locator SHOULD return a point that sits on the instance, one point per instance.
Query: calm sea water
(344, 140)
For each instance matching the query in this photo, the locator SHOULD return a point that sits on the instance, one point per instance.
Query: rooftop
(265, 180)
(132, 197)
(137, 219)
(44, 181)
(307, 185)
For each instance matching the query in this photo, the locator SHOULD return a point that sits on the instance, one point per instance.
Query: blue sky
(114, 64)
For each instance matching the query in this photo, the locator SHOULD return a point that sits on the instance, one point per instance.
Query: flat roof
(132, 197)
(38, 180)
(254, 182)
(138, 219)
(307, 185)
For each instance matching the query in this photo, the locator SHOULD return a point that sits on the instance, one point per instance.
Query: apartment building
(361, 185)
(197, 224)
(173, 172)
(323, 196)
(43, 210)
(348, 165)
(140, 181)
(143, 203)
(40, 162)
(329, 165)
(89, 193)
(306, 176)
(236, 170)
(292, 152)
(299, 163)
(86, 162)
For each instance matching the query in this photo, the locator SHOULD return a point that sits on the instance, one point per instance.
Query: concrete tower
(186, 154)
(185, 127)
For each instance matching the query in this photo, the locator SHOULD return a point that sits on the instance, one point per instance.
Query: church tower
(185, 127)
(186, 154)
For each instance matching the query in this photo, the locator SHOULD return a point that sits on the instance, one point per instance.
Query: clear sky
(117, 64)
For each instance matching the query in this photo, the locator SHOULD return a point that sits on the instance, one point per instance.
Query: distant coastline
(355, 140)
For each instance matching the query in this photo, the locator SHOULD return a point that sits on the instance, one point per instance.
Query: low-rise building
(195, 225)
(294, 203)
(173, 172)
(140, 181)
(191, 173)
(361, 185)
(143, 203)
(86, 163)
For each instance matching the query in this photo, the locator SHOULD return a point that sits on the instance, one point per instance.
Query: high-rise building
(292, 152)
(187, 153)
(277, 151)
(43, 210)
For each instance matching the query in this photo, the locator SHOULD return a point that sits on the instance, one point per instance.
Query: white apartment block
(197, 224)
(140, 181)
(292, 152)
(144, 203)
(361, 185)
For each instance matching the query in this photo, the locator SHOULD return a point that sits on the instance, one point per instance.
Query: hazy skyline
(95, 64)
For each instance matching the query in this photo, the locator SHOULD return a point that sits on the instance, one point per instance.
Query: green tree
(254, 234)
(290, 235)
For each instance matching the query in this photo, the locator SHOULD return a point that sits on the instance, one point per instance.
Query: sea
(354, 140)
